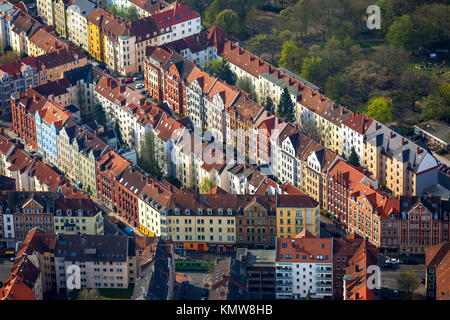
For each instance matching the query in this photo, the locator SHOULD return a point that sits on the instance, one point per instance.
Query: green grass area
(110, 294)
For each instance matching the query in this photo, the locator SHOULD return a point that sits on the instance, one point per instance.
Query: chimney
(403, 140)
(342, 110)
(417, 150)
(391, 134)
(34, 98)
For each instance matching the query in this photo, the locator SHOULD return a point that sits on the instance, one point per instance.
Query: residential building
(81, 88)
(357, 283)
(435, 132)
(296, 213)
(304, 266)
(78, 216)
(77, 27)
(105, 261)
(16, 77)
(437, 261)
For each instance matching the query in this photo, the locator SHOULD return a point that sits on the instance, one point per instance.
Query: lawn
(110, 294)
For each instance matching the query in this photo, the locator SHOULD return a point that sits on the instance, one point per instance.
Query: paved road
(329, 229)
(198, 281)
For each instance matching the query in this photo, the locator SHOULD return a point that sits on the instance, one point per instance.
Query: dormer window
(200, 211)
(69, 212)
(230, 211)
(188, 212)
(220, 211)
(80, 212)
(177, 211)
(58, 212)
(209, 211)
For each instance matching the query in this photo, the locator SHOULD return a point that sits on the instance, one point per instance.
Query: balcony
(323, 285)
(324, 271)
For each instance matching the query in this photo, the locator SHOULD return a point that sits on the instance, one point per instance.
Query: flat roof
(436, 128)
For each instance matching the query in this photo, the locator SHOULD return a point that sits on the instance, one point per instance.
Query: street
(328, 229)
(198, 281)
(5, 268)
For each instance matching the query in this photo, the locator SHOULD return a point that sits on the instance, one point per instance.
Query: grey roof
(437, 129)
(280, 83)
(85, 6)
(92, 247)
(296, 76)
(391, 143)
(14, 200)
(83, 73)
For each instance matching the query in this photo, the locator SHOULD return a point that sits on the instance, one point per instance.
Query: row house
(343, 179)
(26, 210)
(105, 261)
(199, 83)
(198, 48)
(7, 11)
(304, 266)
(296, 213)
(22, 27)
(239, 123)
(57, 92)
(54, 13)
(24, 107)
(81, 88)
(398, 163)
(358, 272)
(155, 62)
(16, 77)
(18, 166)
(144, 8)
(109, 167)
(316, 163)
(77, 26)
(42, 42)
(7, 147)
(343, 250)
(340, 129)
(53, 65)
(49, 121)
(423, 222)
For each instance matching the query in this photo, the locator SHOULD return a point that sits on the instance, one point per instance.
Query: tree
(245, 84)
(99, 114)
(268, 104)
(258, 44)
(148, 157)
(89, 294)
(437, 105)
(286, 106)
(313, 70)
(207, 185)
(228, 20)
(118, 132)
(401, 32)
(213, 10)
(221, 69)
(408, 282)
(308, 296)
(380, 109)
(415, 85)
(292, 56)
(353, 159)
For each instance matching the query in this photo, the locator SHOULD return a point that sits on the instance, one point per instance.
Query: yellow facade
(59, 9)
(92, 225)
(293, 220)
(95, 42)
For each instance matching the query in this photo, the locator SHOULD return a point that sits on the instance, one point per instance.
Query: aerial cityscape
(224, 150)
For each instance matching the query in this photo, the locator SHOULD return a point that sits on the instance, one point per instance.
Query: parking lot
(389, 277)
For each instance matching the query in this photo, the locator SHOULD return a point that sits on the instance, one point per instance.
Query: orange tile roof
(304, 249)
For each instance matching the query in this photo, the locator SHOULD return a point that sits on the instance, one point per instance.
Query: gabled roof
(174, 13)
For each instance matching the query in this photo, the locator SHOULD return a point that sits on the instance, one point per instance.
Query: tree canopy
(380, 109)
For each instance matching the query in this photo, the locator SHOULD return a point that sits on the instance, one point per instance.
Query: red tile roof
(304, 249)
(173, 14)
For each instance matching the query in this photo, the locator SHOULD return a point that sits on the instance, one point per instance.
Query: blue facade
(46, 135)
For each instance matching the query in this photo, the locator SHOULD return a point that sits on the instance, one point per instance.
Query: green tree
(259, 44)
(245, 84)
(415, 85)
(353, 159)
(99, 114)
(401, 32)
(292, 56)
(408, 282)
(147, 156)
(268, 105)
(313, 70)
(221, 69)
(228, 20)
(213, 11)
(207, 185)
(380, 109)
(308, 296)
(286, 106)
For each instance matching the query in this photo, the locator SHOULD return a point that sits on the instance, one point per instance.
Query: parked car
(128, 80)
(409, 261)
(388, 265)
(394, 261)
(140, 86)
(138, 77)
(396, 292)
